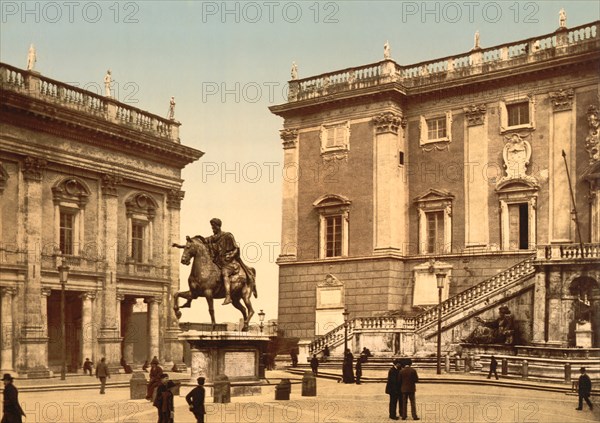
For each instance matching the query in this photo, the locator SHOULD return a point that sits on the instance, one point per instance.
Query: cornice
(33, 113)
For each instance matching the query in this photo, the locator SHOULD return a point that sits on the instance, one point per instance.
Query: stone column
(153, 327)
(539, 308)
(33, 354)
(555, 309)
(390, 189)
(173, 346)
(6, 350)
(109, 339)
(476, 185)
(562, 137)
(289, 206)
(129, 337)
(87, 327)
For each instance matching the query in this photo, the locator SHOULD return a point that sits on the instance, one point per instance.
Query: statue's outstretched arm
(177, 245)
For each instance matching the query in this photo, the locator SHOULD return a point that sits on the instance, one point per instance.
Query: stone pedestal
(234, 354)
(583, 335)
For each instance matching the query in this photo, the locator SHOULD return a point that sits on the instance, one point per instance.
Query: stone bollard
(309, 385)
(525, 369)
(457, 363)
(137, 386)
(222, 390)
(504, 367)
(283, 390)
(447, 363)
(468, 363)
(568, 372)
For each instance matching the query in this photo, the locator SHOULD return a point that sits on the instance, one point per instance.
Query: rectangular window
(435, 232)
(518, 114)
(66, 232)
(137, 241)
(333, 236)
(436, 128)
(336, 136)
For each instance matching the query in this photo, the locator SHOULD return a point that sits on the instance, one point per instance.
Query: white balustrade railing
(449, 67)
(33, 84)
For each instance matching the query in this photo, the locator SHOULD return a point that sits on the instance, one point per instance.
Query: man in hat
(102, 373)
(408, 381)
(584, 390)
(195, 400)
(164, 399)
(155, 373)
(392, 388)
(87, 366)
(12, 411)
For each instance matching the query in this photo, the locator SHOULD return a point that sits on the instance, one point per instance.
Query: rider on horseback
(226, 255)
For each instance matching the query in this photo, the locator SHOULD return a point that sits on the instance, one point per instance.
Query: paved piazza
(334, 403)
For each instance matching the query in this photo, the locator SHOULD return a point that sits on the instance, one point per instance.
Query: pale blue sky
(194, 51)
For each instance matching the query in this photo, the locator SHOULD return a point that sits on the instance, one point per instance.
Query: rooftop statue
(294, 70)
(107, 83)
(31, 58)
(386, 51)
(171, 114)
(217, 272)
(562, 18)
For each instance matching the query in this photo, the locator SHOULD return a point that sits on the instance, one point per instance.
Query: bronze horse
(205, 281)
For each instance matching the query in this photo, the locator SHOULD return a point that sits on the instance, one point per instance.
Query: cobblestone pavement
(335, 403)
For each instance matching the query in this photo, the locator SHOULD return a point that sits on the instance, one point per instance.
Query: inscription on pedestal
(240, 364)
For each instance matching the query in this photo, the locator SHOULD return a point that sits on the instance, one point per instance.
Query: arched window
(70, 195)
(334, 211)
(141, 209)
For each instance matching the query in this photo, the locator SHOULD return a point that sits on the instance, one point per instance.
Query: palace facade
(452, 166)
(95, 185)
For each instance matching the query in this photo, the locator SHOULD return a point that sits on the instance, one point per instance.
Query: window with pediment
(70, 196)
(141, 210)
(333, 213)
(518, 214)
(435, 222)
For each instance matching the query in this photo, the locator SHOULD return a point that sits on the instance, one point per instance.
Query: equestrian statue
(217, 272)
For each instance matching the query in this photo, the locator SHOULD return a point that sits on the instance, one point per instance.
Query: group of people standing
(401, 387)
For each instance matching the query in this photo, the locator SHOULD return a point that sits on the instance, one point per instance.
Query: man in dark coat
(195, 400)
(155, 373)
(408, 380)
(584, 390)
(164, 400)
(493, 368)
(392, 388)
(359, 362)
(87, 366)
(314, 364)
(102, 373)
(11, 410)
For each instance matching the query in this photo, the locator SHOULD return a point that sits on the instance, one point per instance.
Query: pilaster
(7, 295)
(34, 344)
(289, 208)
(390, 191)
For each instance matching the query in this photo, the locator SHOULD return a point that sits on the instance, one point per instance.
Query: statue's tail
(254, 282)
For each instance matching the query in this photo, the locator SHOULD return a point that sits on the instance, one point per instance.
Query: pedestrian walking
(584, 389)
(163, 400)
(392, 388)
(314, 365)
(102, 373)
(87, 367)
(493, 368)
(408, 381)
(195, 400)
(326, 353)
(359, 362)
(11, 411)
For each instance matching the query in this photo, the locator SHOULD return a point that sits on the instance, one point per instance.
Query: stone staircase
(466, 304)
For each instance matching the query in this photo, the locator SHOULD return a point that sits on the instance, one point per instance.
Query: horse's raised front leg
(211, 311)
